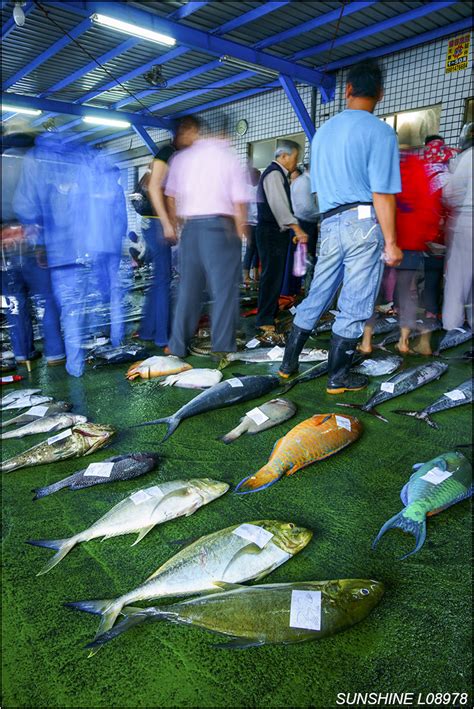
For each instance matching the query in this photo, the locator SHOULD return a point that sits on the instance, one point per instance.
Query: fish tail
(62, 546)
(420, 415)
(170, 421)
(400, 521)
(265, 477)
(361, 407)
(132, 616)
(50, 489)
(109, 610)
(9, 434)
(225, 361)
(232, 435)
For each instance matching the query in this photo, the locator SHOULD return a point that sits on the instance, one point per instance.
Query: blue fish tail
(418, 529)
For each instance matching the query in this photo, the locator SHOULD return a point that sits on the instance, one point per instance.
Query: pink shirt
(206, 179)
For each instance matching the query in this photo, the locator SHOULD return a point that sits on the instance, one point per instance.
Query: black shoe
(340, 377)
(294, 344)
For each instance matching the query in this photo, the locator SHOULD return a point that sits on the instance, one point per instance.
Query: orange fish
(314, 439)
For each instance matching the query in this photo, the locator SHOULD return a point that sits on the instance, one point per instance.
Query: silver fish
(25, 401)
(376, 367)
(140, 512)
(459, 396)
(269, 414)
(270, 355)
(55, 407)
(453, 338)
(45, 425)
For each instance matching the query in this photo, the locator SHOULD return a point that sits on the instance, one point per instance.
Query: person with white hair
(275, 223)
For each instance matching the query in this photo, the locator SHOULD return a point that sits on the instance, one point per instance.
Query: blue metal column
(143, 134)
(298, 105)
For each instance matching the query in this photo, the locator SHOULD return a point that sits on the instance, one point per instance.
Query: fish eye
(365, 591)
(291, 525)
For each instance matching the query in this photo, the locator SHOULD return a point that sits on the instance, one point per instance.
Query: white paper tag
(99, 470)
(391, 320)
(460, 329)
(388, 387)
(455, 395)
(138, 497)
(305, 609)
(60, 436)
(5, 380)
(364, 211)
(367, 363)
(293, 309)
(38, 411)
(436, 476)
(276, 353)
(235, 382)
(252, 343)
(334, 312)
(343, 422)
(257, 416)
(155, 491)
(254, 534)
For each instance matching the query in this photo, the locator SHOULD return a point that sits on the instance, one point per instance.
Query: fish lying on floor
(433, 487)
(46, 424)
(193, 379)
(269, 414)
(314, 439)
(230, 391)
(22, 399)
(82, 439)
(36, 412)
(140, 512)
(378, 366)
(242, 552)
(253, 616)
(453, 338)
(107, 354)
(116, 468)
(157, 367)
(456, 397)
(402, 383)
(271, 354)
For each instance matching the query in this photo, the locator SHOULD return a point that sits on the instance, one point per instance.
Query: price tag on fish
(391, 320)
(257, 416)
(436, 476)
(367, 363)
(235, 383)
(251, 344)
(276, 353)
(305, 610)
(334, 312)
(343, 422)
(253, 533)
(389, 387)
(38, 411)
(155, 491)
(60, 436)
(141, 496)
(5, 380)
(293, 309)
(455, 395)
(99, 470)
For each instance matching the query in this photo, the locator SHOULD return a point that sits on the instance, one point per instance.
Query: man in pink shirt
(206, 189)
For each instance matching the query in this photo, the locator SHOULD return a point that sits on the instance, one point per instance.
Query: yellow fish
(314, 439)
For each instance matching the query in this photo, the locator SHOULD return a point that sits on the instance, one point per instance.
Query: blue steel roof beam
(188, 9)
(227, 99)
(10, 24)
(146, 138)
(48, 53)
(370, 30)
(250, 16)
(203, 41)
(422, 38)
(113, 136)
(298, 105)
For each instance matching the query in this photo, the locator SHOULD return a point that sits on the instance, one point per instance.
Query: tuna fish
(402, 383)
(36, 412)
(456, 397)
(242, 552)
(193, 379)
(82, 439)
(230, 391)
(269, 414)
(253, 616)
(378, 366)
(314, 439)
(453, 338)
(432, 488)
(140, 512)
(45, 424)
(157, 367)
(107, 354)
(117, 468)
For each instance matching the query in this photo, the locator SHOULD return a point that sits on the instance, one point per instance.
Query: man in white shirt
(306, 209)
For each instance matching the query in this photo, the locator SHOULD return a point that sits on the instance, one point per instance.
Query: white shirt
(305, 204)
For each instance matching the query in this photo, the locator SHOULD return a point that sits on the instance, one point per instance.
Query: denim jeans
(71, 285)
(155, 323)
(350, 255)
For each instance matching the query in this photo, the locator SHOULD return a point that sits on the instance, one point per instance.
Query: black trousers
(272, 245)
(311, 228)
(251, 259)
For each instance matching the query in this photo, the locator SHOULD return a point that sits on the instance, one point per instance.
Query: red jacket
(417, 207)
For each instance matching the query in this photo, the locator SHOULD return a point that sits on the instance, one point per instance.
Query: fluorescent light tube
(95, 121)
(26, 111)
(128, 28)
(240, 64)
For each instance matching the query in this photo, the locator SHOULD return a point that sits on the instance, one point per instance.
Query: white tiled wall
(414, 78)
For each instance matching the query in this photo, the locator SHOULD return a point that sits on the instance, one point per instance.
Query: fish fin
(133, 616)
(223, 363)
(420, 415)
(225, 586)
(418, 529)
(170, 421)
(238, 644)
(361, 407)
(404, 494)
(62, 546)
(142, 533)
(259, 481)
(108, 609)
(416, 466)
(247, 548)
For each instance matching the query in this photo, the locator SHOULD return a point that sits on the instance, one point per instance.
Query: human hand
(169, 232)
(392, 255)
(300, 235)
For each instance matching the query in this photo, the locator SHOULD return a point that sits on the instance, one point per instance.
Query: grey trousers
(210, 255)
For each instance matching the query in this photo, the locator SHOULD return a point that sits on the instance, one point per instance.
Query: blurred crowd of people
(64, 225)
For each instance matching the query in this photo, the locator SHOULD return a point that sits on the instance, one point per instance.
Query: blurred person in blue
(159, 234)
(251, 259)
(55, 192)
(24, 276)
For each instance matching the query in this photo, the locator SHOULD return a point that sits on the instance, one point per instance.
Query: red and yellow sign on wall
(457, 56)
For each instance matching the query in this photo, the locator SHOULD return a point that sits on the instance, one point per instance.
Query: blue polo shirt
(353, 155)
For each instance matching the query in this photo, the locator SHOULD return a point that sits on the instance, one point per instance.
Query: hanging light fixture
(128, 28)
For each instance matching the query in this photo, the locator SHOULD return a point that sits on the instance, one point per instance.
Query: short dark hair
(185, 123)
(366, 79)
(429, 138)
(286, 147)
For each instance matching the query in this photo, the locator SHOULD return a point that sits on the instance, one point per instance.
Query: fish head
(79, 419)
(63, 406)
(287, 535)
(95, 434)
(208, 489)
(356, 597)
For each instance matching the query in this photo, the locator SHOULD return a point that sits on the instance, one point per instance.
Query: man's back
(353, 155)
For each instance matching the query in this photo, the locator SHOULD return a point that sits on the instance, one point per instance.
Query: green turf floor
(417, 640)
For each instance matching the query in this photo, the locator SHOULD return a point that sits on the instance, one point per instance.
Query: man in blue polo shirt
(355, 171)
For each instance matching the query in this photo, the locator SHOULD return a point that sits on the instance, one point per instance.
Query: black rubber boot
(340, 377)
(294, 344)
